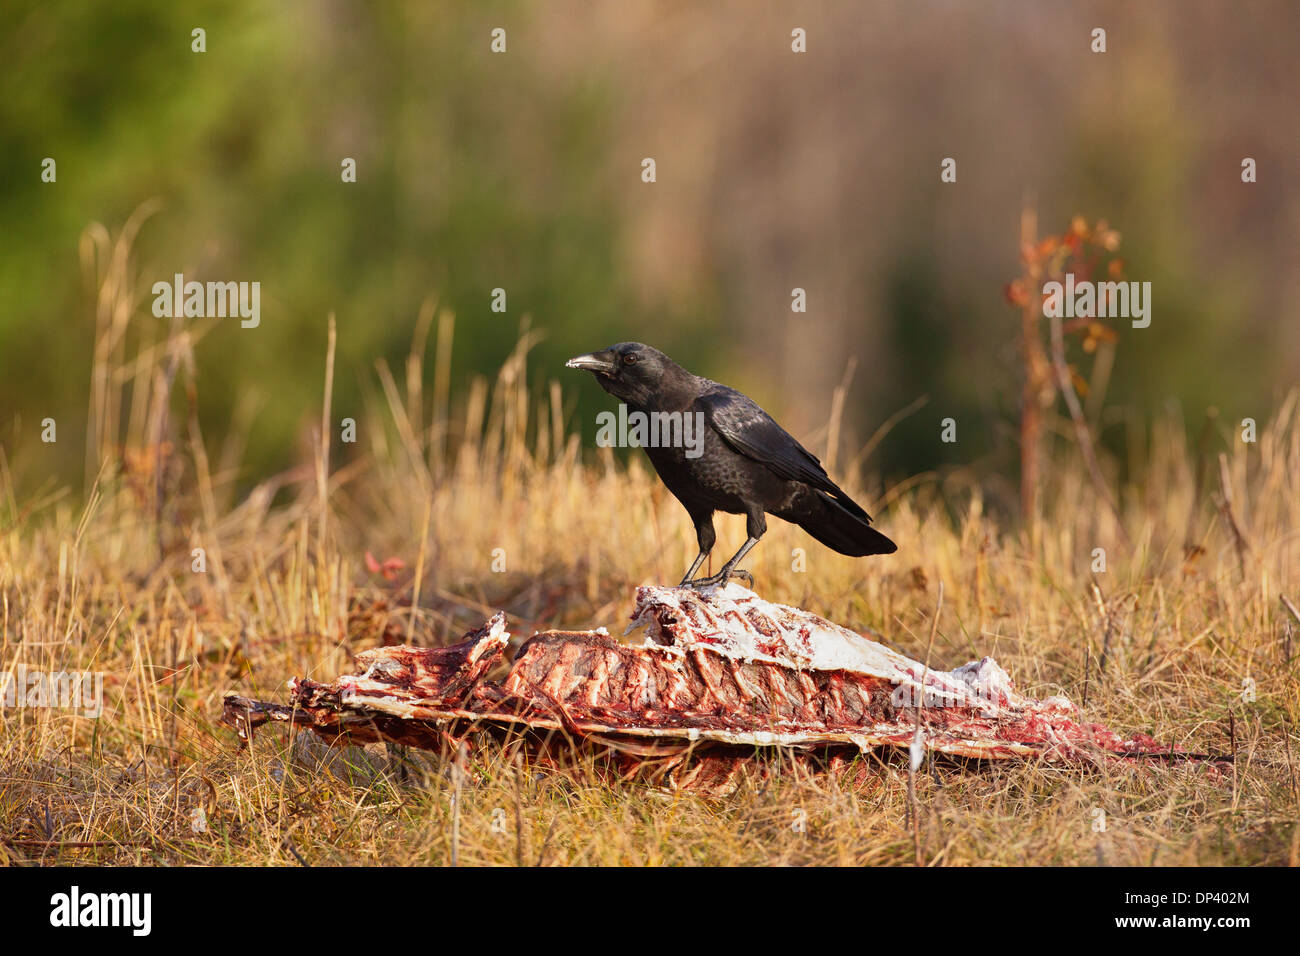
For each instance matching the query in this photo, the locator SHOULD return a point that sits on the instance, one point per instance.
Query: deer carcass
(721, 677)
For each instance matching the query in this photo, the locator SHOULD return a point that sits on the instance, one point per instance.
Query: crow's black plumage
(746, 463)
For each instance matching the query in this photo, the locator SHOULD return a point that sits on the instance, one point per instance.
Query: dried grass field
(1187, 635)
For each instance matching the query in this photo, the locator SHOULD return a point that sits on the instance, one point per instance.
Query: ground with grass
(178, 584)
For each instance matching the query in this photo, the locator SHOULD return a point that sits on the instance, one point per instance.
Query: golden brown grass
(104, 584)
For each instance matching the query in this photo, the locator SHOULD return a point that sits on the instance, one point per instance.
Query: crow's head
(635, 373)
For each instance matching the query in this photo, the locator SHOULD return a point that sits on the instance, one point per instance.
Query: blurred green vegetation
(243, 144)
(478, 171)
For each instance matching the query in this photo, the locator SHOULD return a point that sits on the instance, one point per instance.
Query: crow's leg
(706, 536)
(695, 566)
(756, 526)
(728, 569)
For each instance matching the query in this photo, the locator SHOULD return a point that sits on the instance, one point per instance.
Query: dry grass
(105, 584)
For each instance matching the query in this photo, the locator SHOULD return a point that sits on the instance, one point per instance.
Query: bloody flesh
(720, 677)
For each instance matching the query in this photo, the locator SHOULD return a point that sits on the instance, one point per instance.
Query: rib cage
(720, 677)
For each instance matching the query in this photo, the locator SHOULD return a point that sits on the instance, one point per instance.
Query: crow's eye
(629, 358)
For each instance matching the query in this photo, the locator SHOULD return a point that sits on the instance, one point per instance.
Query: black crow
(724, 453)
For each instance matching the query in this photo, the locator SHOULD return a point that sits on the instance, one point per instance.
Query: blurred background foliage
(775, 170)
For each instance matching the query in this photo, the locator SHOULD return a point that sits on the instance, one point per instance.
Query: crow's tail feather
(835, 526)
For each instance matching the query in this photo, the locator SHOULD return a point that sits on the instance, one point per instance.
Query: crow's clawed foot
(716, 580)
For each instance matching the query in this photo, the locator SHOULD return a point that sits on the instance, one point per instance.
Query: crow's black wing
(755, 434)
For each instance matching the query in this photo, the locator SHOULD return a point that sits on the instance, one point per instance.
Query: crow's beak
(599, 362)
